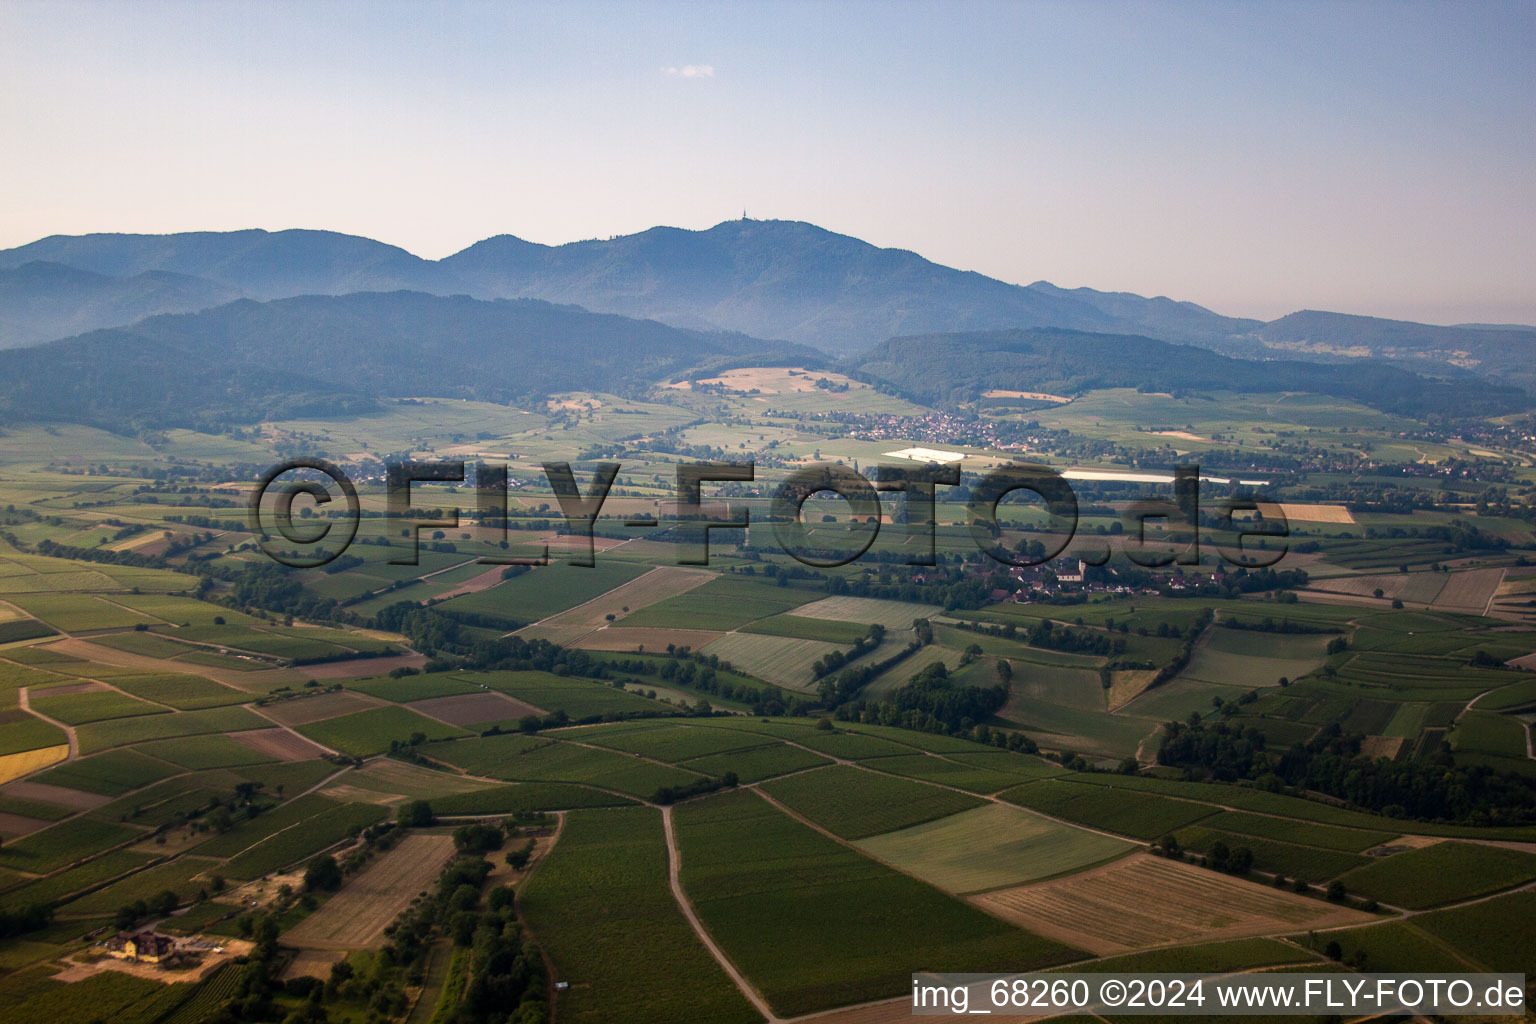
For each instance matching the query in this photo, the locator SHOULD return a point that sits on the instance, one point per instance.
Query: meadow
(992, 847)
(781, 660)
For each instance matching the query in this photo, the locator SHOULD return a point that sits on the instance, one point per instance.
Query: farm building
(145, 947)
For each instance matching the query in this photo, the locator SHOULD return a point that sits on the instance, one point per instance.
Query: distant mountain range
(318, 356)
(770, 279)
(42, 300)
(248, 361)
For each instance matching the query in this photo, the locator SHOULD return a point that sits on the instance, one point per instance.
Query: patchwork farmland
(723, 770)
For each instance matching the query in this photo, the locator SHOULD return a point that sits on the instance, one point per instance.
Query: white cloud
(690, 71)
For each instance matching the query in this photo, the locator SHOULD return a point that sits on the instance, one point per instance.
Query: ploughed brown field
(14, 826)
(74, 799)
(355, 918)
(304, 710)
(1144, 901)
(278, 743)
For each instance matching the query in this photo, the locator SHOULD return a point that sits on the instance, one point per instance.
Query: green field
(601, 908)
(523, 797)
(59, 886)
(126, 731)
(543, 592)
(1482, 732)
(1138, 815)
(781, 660)
(1070, 687)
(417, 687)
(112, 773)
(185, 693)
(870, 611)
(1234, 955)
(756, 763)
(1288, 859)
(151, 645)
(1442, 873)
(517, 758)
(174, 875)
(80, 708)
(19, 731)
(1495, 935)
(849, 743)
(182, 611)
(1400, 946)
(991, 847)
(372, 731)
(1090, 732)
(1252, 799)
(76, 613)
(579, 698)
(661, 741)
(197, 753)
(816, 925)
(251, 831)
(1291, 831)
(854, 804)
(729, 602)
(108, 996)
(64, 843)
(827, 630)
(295, 845)
(982, 774)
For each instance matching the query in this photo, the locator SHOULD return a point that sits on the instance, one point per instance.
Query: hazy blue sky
(1256, 158)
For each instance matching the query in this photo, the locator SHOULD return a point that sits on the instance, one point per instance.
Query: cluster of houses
(1066, 574)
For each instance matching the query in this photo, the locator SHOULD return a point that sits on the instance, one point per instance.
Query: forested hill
(1504, 353)
(946, 369)
(318, 355)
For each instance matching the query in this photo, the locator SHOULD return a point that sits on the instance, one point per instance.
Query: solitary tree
(323, 873)
(416, 814)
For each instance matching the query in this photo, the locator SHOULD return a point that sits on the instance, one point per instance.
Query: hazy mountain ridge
(1159, 317)
(768, 279)
(328, 355)
(41, 300)
(257, 264)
